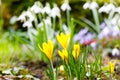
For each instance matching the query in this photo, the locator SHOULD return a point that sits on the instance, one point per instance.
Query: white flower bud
(65, 6)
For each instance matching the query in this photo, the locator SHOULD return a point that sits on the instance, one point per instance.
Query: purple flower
(84, 36)
(81, 33)
(105, 33)
(102, 25)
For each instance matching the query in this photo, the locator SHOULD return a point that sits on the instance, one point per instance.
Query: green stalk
(70, 73)
(45, 32)
(96, 19)
(36, 21)
(111, 15)
(71, 34)
(52, 69)
(68, 17)
(40, 17)
(54, 20)
(1, 17)
(60, 21)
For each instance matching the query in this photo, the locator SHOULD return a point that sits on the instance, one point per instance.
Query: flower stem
(52, 69)
(60, 21)
(96, 19)
(45, 31)
(68, 18)
(70, 78)
(54, 20)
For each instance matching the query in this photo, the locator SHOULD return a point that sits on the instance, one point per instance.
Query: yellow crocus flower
(63, 40)
(47, 48)
(76, 51)
(63, 54)
(111, 67)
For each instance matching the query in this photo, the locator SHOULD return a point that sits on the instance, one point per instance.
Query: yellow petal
(63, 40)
(111, 67)
(63, 55)
(47, 49)
(76, 51)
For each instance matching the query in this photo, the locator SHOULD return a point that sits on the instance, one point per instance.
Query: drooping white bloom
(37, 7)
(27, 24)
(47, 22)
(26, 16)
(22, 17)
(115, 20)
(86, 5)
(30, 16)
(103, 9)
(93, 5)
(65, 6)
(117, 10)
(110, 7)
(47, 9)
(115, 52)
(107, 8)
(55, 12)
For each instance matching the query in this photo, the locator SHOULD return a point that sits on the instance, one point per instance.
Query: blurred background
(10, 8)
(12, 34)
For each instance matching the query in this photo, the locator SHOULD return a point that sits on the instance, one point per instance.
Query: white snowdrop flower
(30, 16)
(13, 19)
(65, 6)
(48, 21)
(103, 9)
(86, 5)
(117, 10)
(22, 17)
(37, 7)
(55, 12)
(93, 5)
(115, 52)
(107, 8)
(115, 19)
(111, 6)
(27, 24)
(47, 8)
